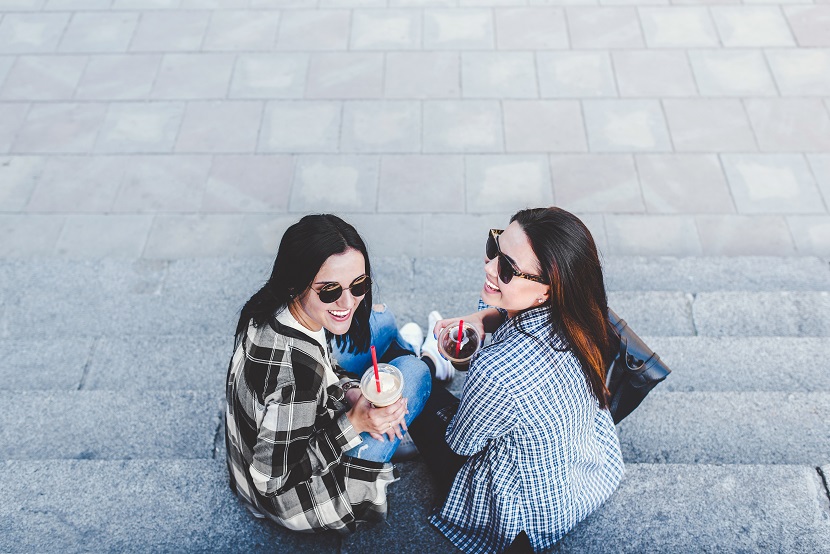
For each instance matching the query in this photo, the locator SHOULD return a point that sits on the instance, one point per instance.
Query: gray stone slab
(809, 24)
(596, 183)
(752, 26)
(242, 30)
(356, 178)
(118, 77)
(543, 126)
(140, 127)
(341, 75)
(738, 364)
(13, 116)
(313, 30)
(421, 183)
(678, 27)
(456, 126)
(801, 72)
(60, 127)
(683, 184)
(44, 78)
(786, 314)
(37, 364)
(733, 235)
(220, 126)
(654, 313)
(269, 76)
(32, 32)
(626, 126)
(537, 28)
(604, 27)
(99, 236)
(652, 235)
(385, 126)
(762, 428)
(811, 234)
(708, 508)
(653, 73)
(300, 127)
(248, 183)
(727, 72)
(458, 29)
(99, 32)
(194, 76)
(385, 29)
(27, 236)
(164, 363)
(707, 125)
(422, 75)
(790, 125)
(78, 184)
(20, 175)
(575, 74)
(498, 75)
(106, 425)
(163, 184)
(526, 176)
(134, 505)
(170, 31)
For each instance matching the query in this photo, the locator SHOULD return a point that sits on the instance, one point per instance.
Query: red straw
(375, 365)
(460, 336)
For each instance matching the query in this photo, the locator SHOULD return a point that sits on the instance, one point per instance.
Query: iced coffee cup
(459, 350)
(391, 385)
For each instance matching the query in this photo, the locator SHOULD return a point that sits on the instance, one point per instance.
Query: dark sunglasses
(506, 268)
(331, 292)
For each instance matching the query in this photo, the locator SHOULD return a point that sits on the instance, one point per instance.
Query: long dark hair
(304, 248)
(578, 305)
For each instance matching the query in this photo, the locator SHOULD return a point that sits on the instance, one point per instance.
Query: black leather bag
(633, 372)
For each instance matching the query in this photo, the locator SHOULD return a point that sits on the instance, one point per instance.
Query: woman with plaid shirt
(304, 447)
(531, 448)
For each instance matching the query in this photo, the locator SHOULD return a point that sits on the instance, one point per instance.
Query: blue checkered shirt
(543, 454)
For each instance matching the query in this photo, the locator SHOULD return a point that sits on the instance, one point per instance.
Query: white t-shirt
(287, 318)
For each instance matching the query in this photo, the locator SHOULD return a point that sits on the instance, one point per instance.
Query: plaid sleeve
(486, 412)
(288, 449)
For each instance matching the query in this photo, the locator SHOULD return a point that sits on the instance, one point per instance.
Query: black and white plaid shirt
(543, 454)
(286, 433)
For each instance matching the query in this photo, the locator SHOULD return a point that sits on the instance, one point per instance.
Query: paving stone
(752, 26)
(194, 76)
(526, 177)
(313, 30)
(707, 125)
(60, 127)
(544, 126)
(797, 314)
(103, 236)
(300, 127)
(467, 231)
(31, 32)
(269, 76)
(626, 126)
(345, 75)
(146, 4)
(140, 127)
(422, 75)
(531, 29)
(575, 74)
(678, 27)
(356, 178)
(43, 78)
(78, 184)
(652, 235)
(654, 313)
(118, 77)
(650, 73)
(77, 5)
(29, 235)
(421, 183)
(242, 30)
(6, 63)
(498, 75)
(595, 183)
(735, 235)
(789, 125)
(385, 29)
(764, 428)
(801, 72)
(13, 116)
(220, 126)
(37, 364)
(731, 73)
(90, 505)
(468, 126)
(20, 175)
(390, 234)
(720, 364)
(809, 24)
(683, 184)
(248, 183)
(820, 164)
(604, 27)
(772, 183)
(163, 184)
(385, 126)
(170, 31)
(811, 234)
(154, 425)
(695, 505)
(160, 363)
(458, 29)
(99, 32)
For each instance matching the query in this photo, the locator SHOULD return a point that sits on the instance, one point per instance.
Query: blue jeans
(416, 388)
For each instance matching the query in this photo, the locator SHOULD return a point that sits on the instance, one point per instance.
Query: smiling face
(519, 294)
(314, 314)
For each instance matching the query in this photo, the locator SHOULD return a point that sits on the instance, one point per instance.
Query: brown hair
(578, 305)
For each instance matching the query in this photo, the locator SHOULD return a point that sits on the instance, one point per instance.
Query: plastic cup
(391, 385)
(448, 345)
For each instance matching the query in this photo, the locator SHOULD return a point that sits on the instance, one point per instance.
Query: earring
(541, 300)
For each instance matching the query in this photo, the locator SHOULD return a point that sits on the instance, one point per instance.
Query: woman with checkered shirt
(305, 448)
(531, 449)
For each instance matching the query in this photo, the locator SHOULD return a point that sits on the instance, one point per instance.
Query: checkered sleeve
(289, 448)
(486, 412)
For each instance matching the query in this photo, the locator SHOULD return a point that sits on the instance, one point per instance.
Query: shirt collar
(287, 318)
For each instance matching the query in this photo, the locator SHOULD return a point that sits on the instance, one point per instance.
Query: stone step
(169, 505)
(121, 425)
(728, 428)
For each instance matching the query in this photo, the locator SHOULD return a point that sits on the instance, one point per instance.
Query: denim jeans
(416, 377)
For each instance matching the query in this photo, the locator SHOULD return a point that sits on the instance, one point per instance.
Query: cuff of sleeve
(347, 438)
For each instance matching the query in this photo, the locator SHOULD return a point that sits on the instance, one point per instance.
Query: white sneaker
(413, 335)
(444, 371)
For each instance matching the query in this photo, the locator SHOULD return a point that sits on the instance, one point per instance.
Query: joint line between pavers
(88, 363)
(823, 478)
(692, 313)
